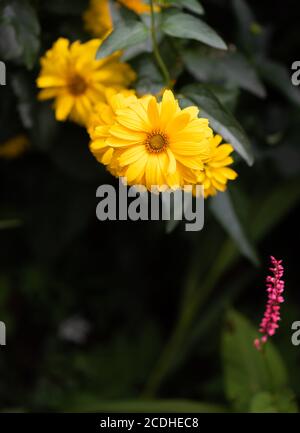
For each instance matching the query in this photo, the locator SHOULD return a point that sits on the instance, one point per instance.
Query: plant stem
(159, 60)
(193, 299)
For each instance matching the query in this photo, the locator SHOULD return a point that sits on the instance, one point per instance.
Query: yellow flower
(155, 142)
(98, 20)
(102, 119)
(14, 147)
(216, 173)
(76, 80)
(138, 6)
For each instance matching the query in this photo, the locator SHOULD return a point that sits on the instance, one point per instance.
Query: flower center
(156, 142)
(77, 85)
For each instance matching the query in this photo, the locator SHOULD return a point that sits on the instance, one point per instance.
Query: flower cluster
(156, 143)
(147, 139)
(275, 287)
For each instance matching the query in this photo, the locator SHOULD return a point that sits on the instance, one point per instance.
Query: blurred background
(98, 312)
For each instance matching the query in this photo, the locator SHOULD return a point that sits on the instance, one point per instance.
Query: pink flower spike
(275, 287)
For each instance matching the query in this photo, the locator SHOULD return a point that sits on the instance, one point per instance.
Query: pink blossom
(275, 287)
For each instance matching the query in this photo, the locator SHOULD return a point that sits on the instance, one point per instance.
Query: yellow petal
(119, 131)
(177, 123)
(131, 120)
(168, 108)
(219, 176)
(151, 171)
(50, 81)
(63, 107)
(172, 162)
(222, 163)
(223, 151)
(106, 158)
(118, 142)
(131, 155)
(153, 114)
(136, 170)
(97, 145)
(218, 185)
(228, 173)
(192, 111)
(190, 162)
(217, 139)
(190, 148)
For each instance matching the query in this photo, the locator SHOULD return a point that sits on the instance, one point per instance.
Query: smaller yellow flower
(71, 75)
(98, 20)
(216, 173)
(102, 119)
(14, 147)
(138, 6)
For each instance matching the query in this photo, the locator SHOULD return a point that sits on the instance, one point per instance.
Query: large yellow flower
(101, 121)
(97, 18)
(155, 142)
(76, 80)
(216, 173)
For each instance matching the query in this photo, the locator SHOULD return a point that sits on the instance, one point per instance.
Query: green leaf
(149, 406)
(149, 79)
(221, 120)
(192, 5)
(124, 36)
(228, 96)
(264, 402)
(24, 91)
(122, 15)
(21, 16)
(181, 25)
(9, 46)
(222, 208)
(279, 77)
(232, 68)
(249, 371)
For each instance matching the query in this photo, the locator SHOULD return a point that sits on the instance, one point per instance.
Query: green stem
(167, 359)
(159, 60)
(270, 375)
(194, 298)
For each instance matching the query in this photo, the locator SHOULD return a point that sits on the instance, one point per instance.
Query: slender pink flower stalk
(275, 287)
